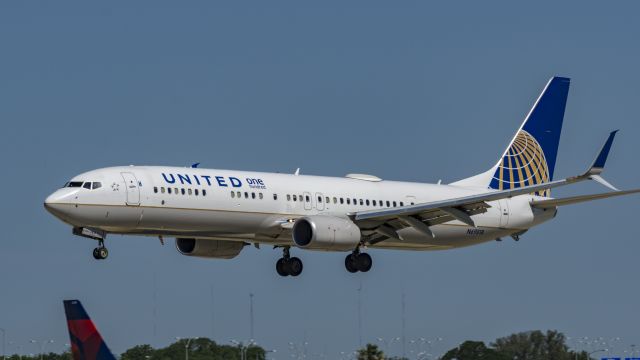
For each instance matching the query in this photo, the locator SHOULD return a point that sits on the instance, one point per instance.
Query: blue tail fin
(530, 158)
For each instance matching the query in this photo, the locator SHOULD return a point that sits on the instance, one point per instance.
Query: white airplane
(215, 213)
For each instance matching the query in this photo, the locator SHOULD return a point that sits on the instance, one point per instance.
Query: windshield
(89, 185)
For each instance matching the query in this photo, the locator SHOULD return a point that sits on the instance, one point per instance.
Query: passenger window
(204, 192)
(381, 203)
(87, 185)
(394, 204)
(162, 189)
(155, 189)
(182, 190)
(374, 203)
(169, 190)
(327, 200)
(319, 199)
(361, 202)
(96, 185)
(233, 194)
(175, 190)
(388, 205)
(307, 198)
(412, 203)
(341, 201)
(401, 203)
(246, 195)
(260, 196)
(295, 198)
(335, 200)
(348, 201)
(189, 191)
(253, 195)
(275, 196)
(355, 202)
(238, 194)
(367, 202)
(196, 192)
(288, 197)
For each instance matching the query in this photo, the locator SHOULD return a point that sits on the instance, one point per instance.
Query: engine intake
(327, 233)
(214, 249)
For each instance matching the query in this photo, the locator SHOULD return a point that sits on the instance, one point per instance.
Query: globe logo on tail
(522, 165)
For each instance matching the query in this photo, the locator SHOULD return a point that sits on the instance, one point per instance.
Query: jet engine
(330, 233)
(215, 249)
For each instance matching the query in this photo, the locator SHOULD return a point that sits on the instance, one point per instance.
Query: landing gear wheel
(364, 262)
(281, 267)
(103, 252)
(294, 265)
(350, 263)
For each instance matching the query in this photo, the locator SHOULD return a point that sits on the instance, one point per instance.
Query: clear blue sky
(402, 90)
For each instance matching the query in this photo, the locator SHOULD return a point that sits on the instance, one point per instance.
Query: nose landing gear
(101, 252)
(288, 265)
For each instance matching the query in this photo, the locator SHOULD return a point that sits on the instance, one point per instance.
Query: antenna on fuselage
(194, 166)
(297, 172)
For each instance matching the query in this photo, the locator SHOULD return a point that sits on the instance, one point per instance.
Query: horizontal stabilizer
(541, 204)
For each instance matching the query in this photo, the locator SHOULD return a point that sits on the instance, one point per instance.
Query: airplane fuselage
(254, 207)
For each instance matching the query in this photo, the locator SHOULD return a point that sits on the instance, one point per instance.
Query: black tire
(350, 263)
(281, 267)
(96, 255)
(295, 266)
(364, 262)
(103, 253)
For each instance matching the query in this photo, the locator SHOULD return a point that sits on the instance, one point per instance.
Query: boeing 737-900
(216, 213)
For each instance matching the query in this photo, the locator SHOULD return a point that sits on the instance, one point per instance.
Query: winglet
(598, 164)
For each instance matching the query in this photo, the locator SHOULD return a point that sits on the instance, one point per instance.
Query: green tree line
(199, 349)
(530, 345)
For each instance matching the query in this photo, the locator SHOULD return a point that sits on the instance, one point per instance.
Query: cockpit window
(87, 185)
(96, 185)
(74, 184)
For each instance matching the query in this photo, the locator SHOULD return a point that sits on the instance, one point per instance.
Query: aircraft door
(319, 202)
(307, 200)
(133, 189)
(504, 213)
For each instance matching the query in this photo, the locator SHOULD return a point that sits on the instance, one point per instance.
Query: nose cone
(57, 205)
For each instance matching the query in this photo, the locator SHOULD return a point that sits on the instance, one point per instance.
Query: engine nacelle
(216, 249)
(328, 233)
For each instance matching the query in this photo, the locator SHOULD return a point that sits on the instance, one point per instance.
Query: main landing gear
(101, 252)
(288, 265)
(357, 261)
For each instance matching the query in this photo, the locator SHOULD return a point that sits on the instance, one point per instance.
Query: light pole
(42, 347)
(243, 348)
(186, 345)
(4, 344)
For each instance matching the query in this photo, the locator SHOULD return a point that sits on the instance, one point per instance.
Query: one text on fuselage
(212, 180)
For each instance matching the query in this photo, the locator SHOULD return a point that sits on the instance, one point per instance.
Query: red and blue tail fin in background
(530, 158)
(86, 341)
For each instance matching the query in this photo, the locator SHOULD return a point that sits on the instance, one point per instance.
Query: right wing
(541, 204)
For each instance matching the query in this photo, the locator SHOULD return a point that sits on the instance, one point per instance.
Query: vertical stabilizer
(86, 341)
(530, 158)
